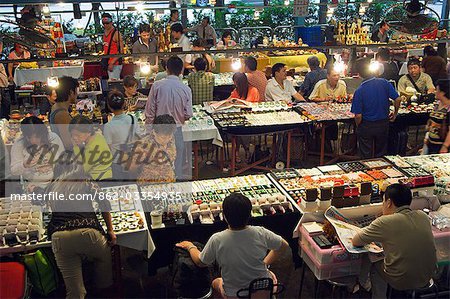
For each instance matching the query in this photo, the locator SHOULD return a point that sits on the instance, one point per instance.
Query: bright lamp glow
(236, 64)
(374, 66)
(369, 1)
(256, 16)
(52, 82)
(339, 67)
(145, 68)
(286, 2)
(46, 10)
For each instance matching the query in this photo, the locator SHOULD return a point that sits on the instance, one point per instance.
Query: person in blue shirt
(370, 105)
(315, 75)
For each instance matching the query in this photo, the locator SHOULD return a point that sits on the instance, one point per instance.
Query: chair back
(261, 288)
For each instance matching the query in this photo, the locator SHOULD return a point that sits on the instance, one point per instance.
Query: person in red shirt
(255, 77)
(243, 90)
(112, 44)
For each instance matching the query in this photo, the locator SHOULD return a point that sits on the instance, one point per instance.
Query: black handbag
(424, 98)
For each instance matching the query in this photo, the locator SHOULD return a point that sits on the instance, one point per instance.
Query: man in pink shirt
(255, 77)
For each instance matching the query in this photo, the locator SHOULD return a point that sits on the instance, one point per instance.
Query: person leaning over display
(330, 88)
(437, 139)
(91, 149)
(255, 77)
(370, 105)
(415, 80)
(201, 83)
(77, 235)
(205, 31)
(130, 86)
(408, 244)
(279, 88)
(242, 251)
(112, 44)
(59, 118)
(315, 74)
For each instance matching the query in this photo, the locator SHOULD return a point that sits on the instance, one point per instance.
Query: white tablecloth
(23, 76)
(205, 132)
(137, 240)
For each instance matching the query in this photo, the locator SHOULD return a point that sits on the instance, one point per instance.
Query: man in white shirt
(279, 88)
(183, 42)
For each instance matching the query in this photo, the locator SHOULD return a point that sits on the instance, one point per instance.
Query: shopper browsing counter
(241, 250)
(408, 244)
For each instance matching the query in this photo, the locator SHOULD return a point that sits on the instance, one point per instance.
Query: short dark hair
(413, 61)
(277, 67)
(66, 85)
(173, 11)
(116, 100)
(144, 27)
(199, 42)
(444, 86)
(200, 64)
(429, 51)
(251, 63)
(399, 194)
(226, 33)
(81, 124)
(130, 81)
(382, 23)
(177, 27)
(313, 62)
(237, 210)
(164, 124)
(30, 126)
(362, 67)
(106, 15)
(175, 65)
(207, 19)
(384, 53)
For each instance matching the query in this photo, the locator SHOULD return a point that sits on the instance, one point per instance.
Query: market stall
(23, 76)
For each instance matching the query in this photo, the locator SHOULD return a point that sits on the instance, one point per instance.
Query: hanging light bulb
(236, 64)
(256, 15)
(145, 68)
(286, 2)
(369, 1)
(52, 82)
(339, 67)
(46, 10)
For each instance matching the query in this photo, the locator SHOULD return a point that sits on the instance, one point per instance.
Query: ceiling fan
(412, 17)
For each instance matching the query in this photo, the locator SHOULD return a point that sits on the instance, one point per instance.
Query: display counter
(298, 60)
(24, 76)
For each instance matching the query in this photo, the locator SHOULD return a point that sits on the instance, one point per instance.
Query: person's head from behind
(395, 196)
(241, 83)
(200, 64)
(362, 66)
(250, 64)
(443, 91)
(67, 90)
(116, 101)
(130, 85)
(174, 15)
(279, 71)
(383, 54)
(237, 210)
(107, 21)
(414, 68)
(34, 132)
(313, 63)
(332, 76)
(50, 94)
(226, 37)
(81, 129)
(384, 26)
(198, 45)
(205, 21)
(164, 127)
(429, 51)
(144, 32)
(176, 30)
(174, 66)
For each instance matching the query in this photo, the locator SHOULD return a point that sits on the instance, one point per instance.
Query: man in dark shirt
(433, 64)
(315, 75)
(146, 44)
(380, 34)
(391, 70)
(372, 114)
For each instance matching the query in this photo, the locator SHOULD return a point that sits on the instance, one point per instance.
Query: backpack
(42, 271)
(189, 280)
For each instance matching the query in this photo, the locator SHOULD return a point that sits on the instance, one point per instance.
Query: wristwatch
(190, 247)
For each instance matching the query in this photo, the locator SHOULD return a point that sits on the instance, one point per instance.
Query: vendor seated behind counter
(279, 88)
(408, 244)
(423, 81)
(330, 88)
